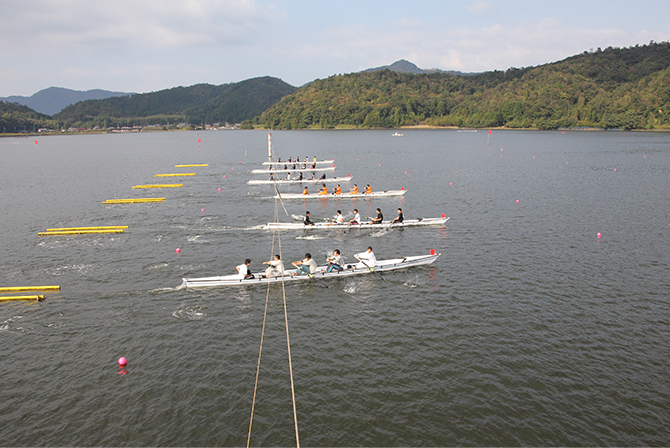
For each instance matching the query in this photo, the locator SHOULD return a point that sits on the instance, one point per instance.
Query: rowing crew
(339, 219)
(337, 191)
(296, 163)
(307, 265)
(299, 178)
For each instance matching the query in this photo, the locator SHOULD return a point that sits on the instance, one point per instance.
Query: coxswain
(323, 191)
(354, 190)
(307, 221)
(367, 259)
(368, 189)
(398, 219)
(379, 218)
(304, 192)
(357, 217)
(335, 263)
(244, 271)
(308, 265)
(275, 268)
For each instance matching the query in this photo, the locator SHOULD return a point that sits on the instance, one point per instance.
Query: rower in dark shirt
(307, 221)
(399, 218)
(379, 218)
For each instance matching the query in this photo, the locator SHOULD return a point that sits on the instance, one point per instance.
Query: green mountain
(15, 118)
(198, 104)
(627, 88)
(53, 99)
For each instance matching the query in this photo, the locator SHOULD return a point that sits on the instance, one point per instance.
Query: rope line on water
(288, 342)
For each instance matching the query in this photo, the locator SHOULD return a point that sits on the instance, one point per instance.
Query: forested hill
(627, 88)
(198, 104)
(16, 118)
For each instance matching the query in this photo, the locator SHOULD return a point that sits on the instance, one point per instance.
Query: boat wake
(189, 312)
(310, 237)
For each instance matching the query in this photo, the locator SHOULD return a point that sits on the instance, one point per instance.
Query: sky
(144, 46)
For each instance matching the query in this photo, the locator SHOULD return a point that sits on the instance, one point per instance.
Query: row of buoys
(82, 230)
(38, 297)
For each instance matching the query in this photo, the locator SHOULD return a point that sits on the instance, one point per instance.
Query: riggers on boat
(374, 194)
(301, 170)
(320, 273)
(346, 226)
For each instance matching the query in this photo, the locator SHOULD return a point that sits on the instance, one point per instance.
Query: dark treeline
(626, 88)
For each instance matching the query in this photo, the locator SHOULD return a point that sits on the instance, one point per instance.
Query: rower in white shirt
(366, 259)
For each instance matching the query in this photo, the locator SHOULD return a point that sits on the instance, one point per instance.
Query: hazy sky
(143, 46)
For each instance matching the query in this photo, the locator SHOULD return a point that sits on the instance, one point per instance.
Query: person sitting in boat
(354, 190)
(314, 159)
(304, 166)
(338, 190)
(313, 176)
(294, 166)
(368, 189)
(288, 176)
(307, 221)
(272, 176)
(339, 219)
(335, 263)
(297, 159)
(379, 218)
(366, 259)
(398, 219)
(285, 167)
(289, 160)
(323, 176)
(300, 176)
(357, 217)
(308, 265)
(275, 268)
(313, 166)
(323, 191)
(243, 270)
(304, 192)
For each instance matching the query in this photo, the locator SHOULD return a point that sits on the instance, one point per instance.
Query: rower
(304, 192)
(300, 176)
(307, 221)
(275, 268)
(354, 190)
(339, 219)
(315, 160)
(289, 160)
(379, 218)
(323, 191)
(243, 270)
(368, 189)
(323, 176)
(288, 176)
(313, 176)
(357, 217)
(338, 189)
(308, 266)
(335, 263)
(398, 219)
(367, 259)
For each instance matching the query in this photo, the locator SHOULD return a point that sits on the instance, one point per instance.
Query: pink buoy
(614, 169)
(178, 250)
(380, 164)
(219, 188)
(432, 251)
(451, 183)
(402, 188)
(122, 361)
(203, 210)
(232, 167)
(598, 234)
(517, 201)
(405, 172)
(348, 175)
(240, 161)
(224, 176)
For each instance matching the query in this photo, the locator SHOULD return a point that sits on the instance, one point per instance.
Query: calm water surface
(528, 330)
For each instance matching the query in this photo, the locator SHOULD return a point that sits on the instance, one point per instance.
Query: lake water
(528, 330)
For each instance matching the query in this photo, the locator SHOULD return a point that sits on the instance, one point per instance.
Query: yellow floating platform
(133, 201)
(174, 175)
(159, 186)
(79, 232)
(7, 298)
(197, 164)
(87, 228)
(29, 288)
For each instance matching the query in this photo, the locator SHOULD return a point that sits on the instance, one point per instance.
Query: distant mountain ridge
(405, 66)
(54, 99)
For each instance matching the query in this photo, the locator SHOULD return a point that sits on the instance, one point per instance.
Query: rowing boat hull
(374, 194)
(381, 266)
(327, 168)
(327, 226)
(295, 181)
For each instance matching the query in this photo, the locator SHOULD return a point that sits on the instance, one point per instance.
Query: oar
(371, 270)
(312, 277)
(389, 226)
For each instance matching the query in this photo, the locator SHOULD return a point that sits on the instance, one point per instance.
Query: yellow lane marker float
(79, 232)
(88, 228)
(30, 288)
(197, 164)
(39, 298)
(133, 201)
(174, 175)
(159, 186)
